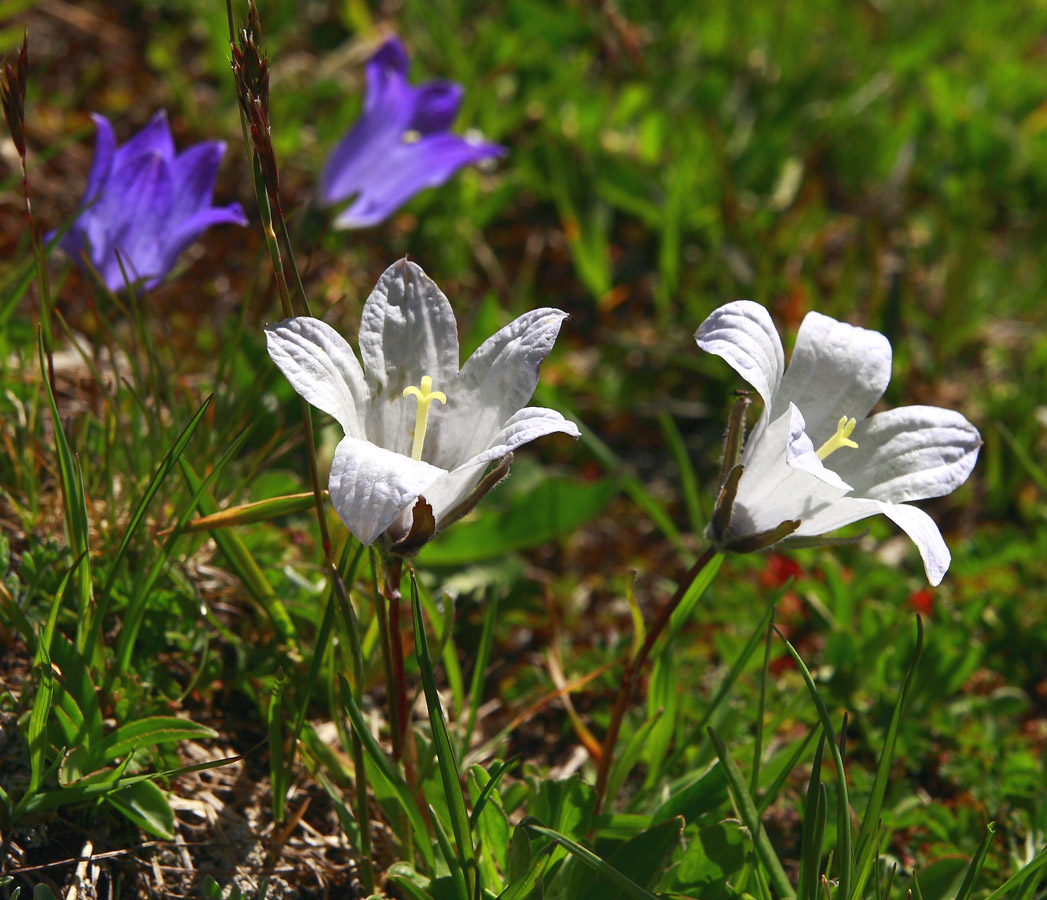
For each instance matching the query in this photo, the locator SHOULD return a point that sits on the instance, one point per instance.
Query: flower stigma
(841, 439)
(425, 395)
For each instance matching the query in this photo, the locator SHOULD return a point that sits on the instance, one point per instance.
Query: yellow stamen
(841, 439)
(425, 395)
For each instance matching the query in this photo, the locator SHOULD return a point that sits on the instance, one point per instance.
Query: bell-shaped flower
(400, 145)
(146, 202)
(816, 460)
(416, 427)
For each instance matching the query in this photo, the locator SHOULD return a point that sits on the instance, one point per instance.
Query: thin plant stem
(393, 576)
(382, 611)
(634, 667)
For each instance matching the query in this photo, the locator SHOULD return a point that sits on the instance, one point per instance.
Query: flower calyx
(724, 511)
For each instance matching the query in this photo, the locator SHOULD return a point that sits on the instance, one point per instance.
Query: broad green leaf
(146, 805)
(715, 858)
(642, 858)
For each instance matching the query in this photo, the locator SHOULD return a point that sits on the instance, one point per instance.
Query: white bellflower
(416, 427)
(816, 460)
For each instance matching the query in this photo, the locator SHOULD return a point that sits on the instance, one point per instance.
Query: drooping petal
(743, 334)
(154, 138)
(919, 526)
(194, 172)
(835, 370)
(522, 428)
(496, 381)
(911, 453)
(371, 486)
(387, 113)
(322, 368)
(435, 106)
(783, 479)
(189, 229)
(405, 169)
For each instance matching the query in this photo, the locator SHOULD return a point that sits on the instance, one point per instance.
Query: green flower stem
(394, 572)
(634, 666)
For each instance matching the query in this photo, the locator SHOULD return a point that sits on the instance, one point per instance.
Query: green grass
(882, 164)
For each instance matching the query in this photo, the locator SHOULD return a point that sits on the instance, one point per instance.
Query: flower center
(425, 395)
(841, 439)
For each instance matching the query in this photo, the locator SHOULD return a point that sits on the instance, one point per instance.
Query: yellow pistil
(425, 395)
(841, 439)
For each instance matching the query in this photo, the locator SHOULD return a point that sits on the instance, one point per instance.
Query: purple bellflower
(400, 145)
(146, 202)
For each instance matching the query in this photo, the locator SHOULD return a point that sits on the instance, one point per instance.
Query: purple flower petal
(154, 138)
(392, 55)
(435, 106)
(188, 230)
(194, 171)
(388, 110)
(408, 169)
(146, 203)
(102, 164)
(399, 146)
(146, 192)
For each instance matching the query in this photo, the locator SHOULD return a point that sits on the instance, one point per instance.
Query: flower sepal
(720, 523)
(422, 530)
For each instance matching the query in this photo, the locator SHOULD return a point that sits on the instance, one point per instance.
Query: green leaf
(642, 857)
(149, 732)
(977, 861)
(743, 802)
(385, 768)
(603, 869)
(866, 843)
(445, 757)
(557, 506)
(96, 624)
(146, 805)
(704, 795)
(843, 825)
(276, 744)
(715, 857)
(566, 806)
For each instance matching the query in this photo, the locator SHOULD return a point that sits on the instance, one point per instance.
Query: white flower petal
(911, 453)
(322, 368)
(370, 486)
(522, 428)
(743, 334)
(911, 519)
(835, 370)
(407, 330)
(495, 382)
(783, 479)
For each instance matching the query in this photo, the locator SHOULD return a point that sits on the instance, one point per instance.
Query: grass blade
(445, 756)
(94, 628)
(866, 843)
(844, 813)
(977, 861)
(747, 810)
(235, 550)
(602, 868)
(385, 768)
